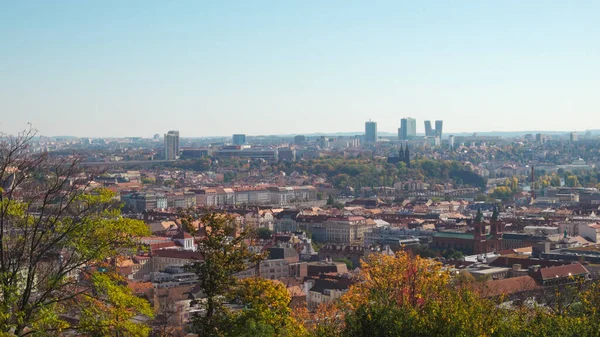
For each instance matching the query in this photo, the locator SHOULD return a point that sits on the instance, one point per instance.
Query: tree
(406, 296)
(347, 262)
(53, 228)
(573, 181)
(110, 309)
(502, 192)
(225, 253)
(266, 308)
(264, 233)
(330, 200)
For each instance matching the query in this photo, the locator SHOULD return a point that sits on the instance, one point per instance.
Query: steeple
(479, 216)
(495, 214)
(407, 156)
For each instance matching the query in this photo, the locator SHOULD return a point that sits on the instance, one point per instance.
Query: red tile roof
(563, 271)
(178, 254)
(510, 286)
(163, 245)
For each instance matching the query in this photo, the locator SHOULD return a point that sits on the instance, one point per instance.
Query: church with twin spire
(403, 156)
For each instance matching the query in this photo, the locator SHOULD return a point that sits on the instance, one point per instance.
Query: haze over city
(136, 68)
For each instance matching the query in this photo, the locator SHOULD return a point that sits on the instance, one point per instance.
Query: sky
(214, 68)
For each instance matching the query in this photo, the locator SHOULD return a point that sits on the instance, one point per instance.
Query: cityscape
(299, 169)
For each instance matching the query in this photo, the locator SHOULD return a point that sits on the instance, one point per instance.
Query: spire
(407, 156)
(479, 216)
(495, 214)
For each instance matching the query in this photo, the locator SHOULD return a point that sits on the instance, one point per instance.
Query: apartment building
(346, 230)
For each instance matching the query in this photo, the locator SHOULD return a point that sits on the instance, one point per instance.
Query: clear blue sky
(207, 68)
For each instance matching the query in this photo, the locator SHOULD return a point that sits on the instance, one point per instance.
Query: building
(370, 131)
(254, 195)
(409, 128)
(541, 138)
(573, 136)
(439, 125)
(451, 142)
(239, 152)
(323, 142)
(325, 289)
(140, 202)
(239, 139)
(299, 139)
(172, 145)
(590, 232)
(346, 230)
(487, 236)
(428, 130)
(286, 154)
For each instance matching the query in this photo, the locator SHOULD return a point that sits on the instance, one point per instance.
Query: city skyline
(115, 69)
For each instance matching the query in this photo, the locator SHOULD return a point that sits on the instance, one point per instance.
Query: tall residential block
(172, 145)
(409, 128)
(239, 139)
(428, 129)
(370, 131)
(438, 128)
(573, 136)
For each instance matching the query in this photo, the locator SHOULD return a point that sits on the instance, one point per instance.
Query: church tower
(497, 225)
(407, 156)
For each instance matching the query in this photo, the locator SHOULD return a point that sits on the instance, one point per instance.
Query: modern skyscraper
(451, 142)
(371, 131)
(428, 129)
(438, 128)
(239, 139)
(172, 145)
(409, 127)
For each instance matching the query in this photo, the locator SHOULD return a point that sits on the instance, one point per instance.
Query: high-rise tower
(428, 129)
(239, 139)
(409, 127)
(438, 128)
(172, 145)
(370, 131)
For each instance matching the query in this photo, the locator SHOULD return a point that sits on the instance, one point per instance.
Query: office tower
(371, 131)
(172, 145)
(428, 130)
(323, 142)
(541, 138)
(451, 142)
(573, 136)
(399, 133)
(438, 128)
(409, 127)
(239, 139)
(299, 139)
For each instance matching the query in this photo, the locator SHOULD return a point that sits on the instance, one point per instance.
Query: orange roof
(510, 286)
(563, 271)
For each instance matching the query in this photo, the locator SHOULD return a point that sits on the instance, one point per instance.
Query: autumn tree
(53, 228)
(225, 253)
(412, 296)
(266, 310)
(110, 309)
